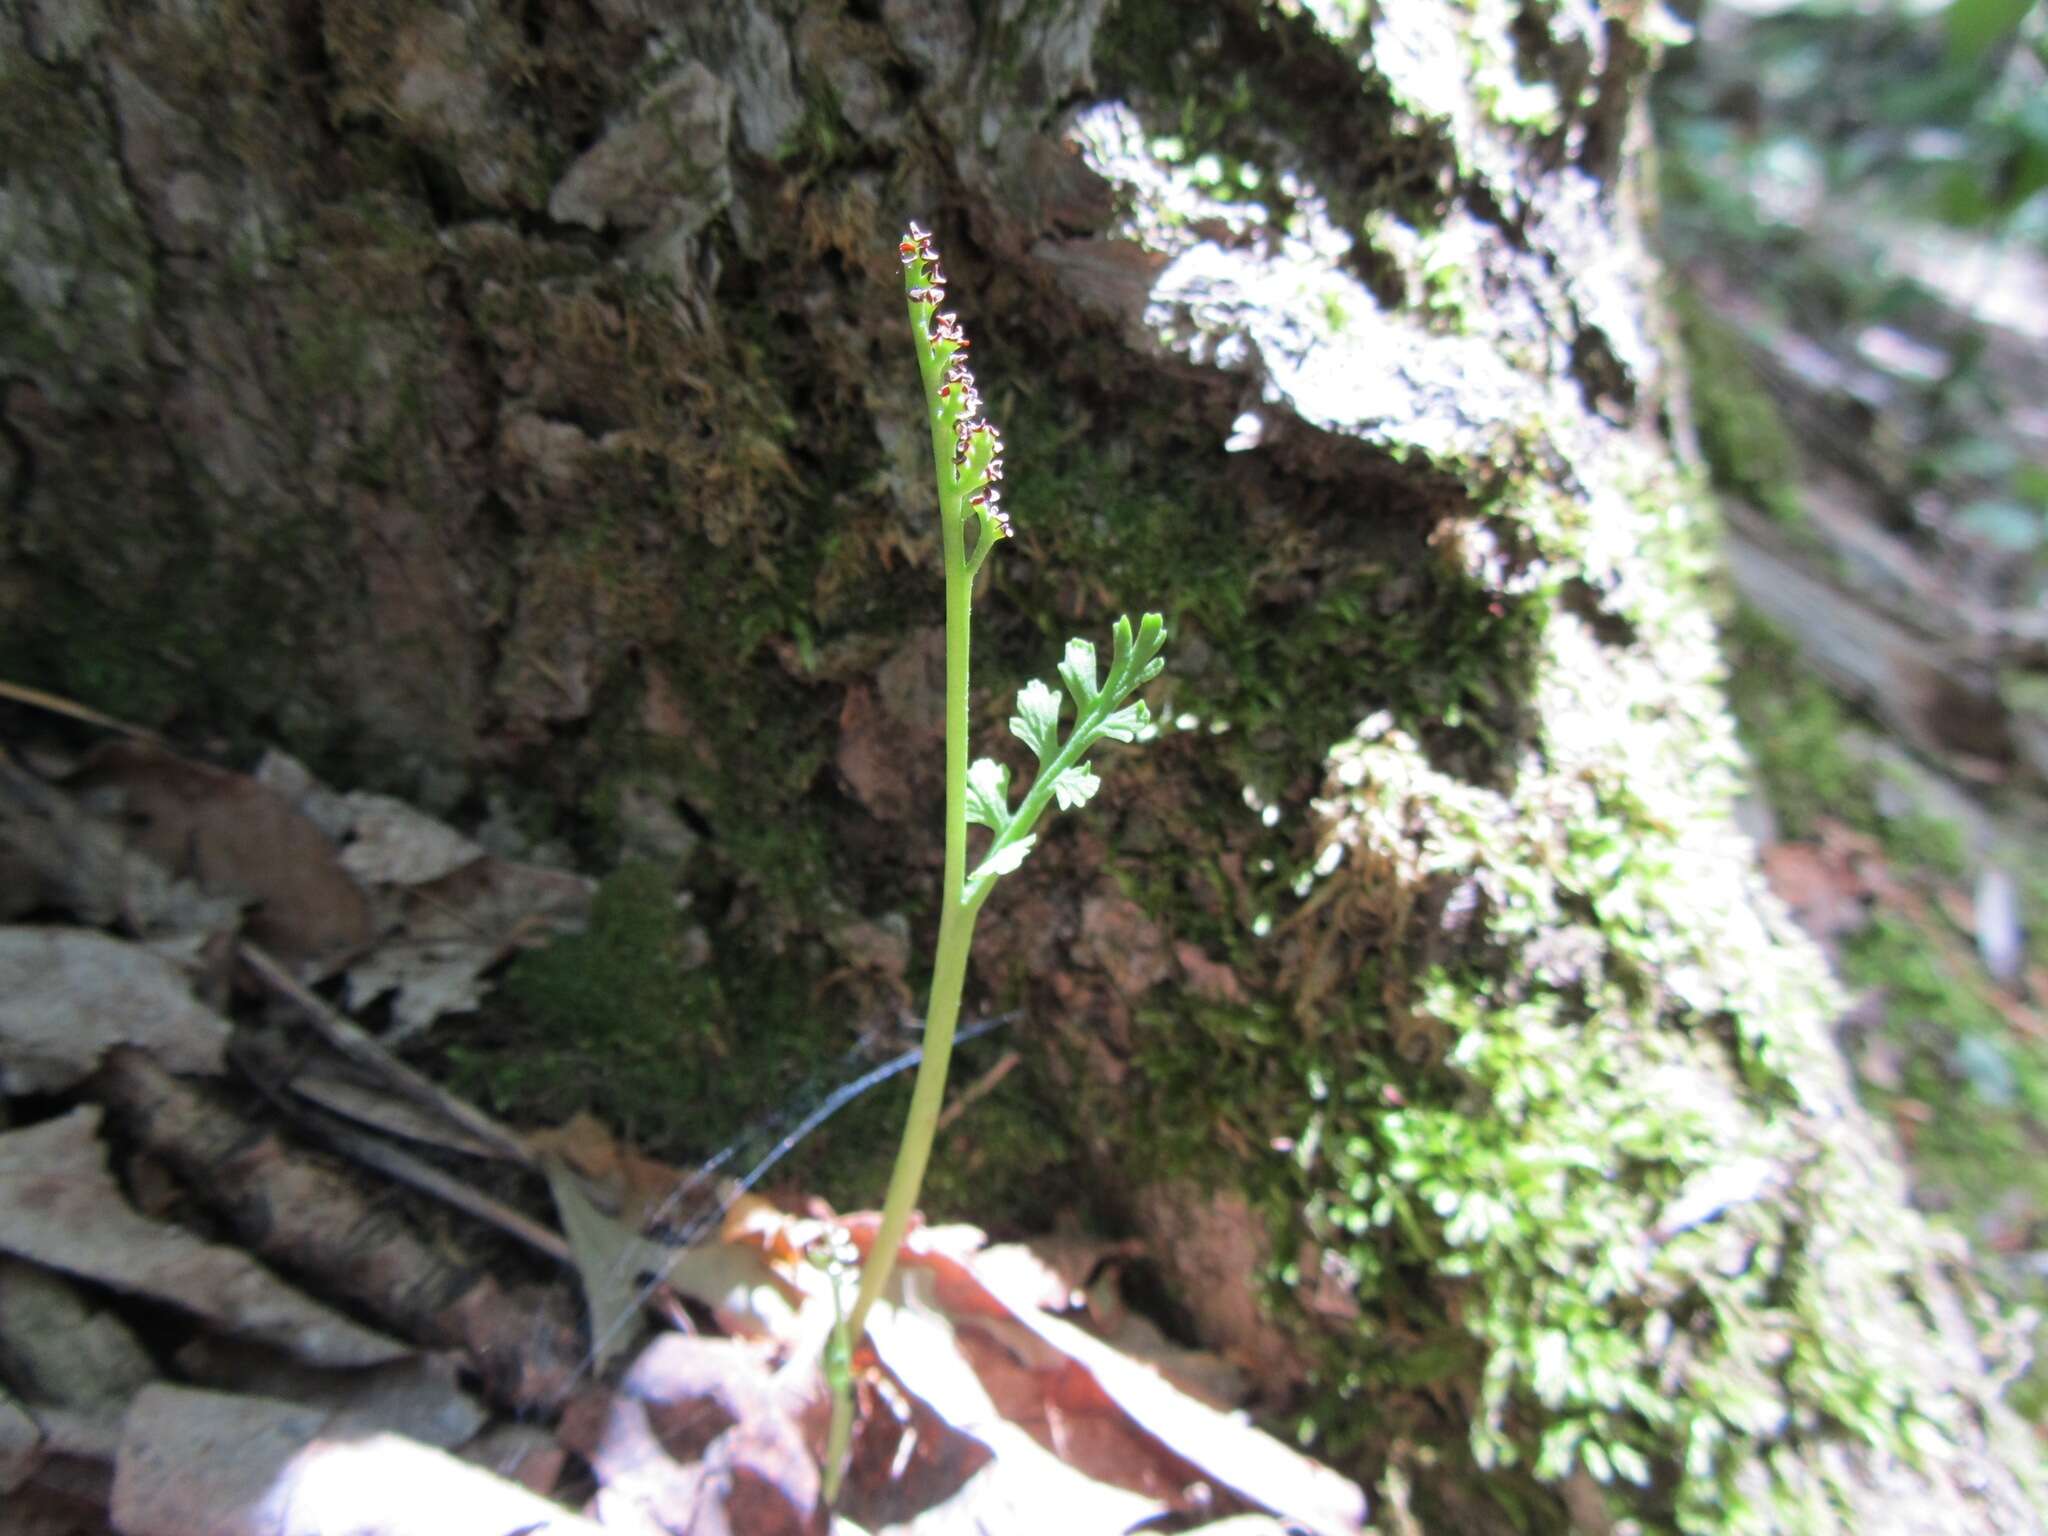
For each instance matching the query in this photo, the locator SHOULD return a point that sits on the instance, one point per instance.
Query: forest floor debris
(258, 1273)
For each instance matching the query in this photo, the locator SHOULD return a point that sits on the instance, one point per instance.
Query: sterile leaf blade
(1037, 721)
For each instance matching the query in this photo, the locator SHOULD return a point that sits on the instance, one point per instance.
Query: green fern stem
(967, 455)
(957, 915)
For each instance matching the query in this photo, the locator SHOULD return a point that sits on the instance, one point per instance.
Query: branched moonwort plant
(967, 453)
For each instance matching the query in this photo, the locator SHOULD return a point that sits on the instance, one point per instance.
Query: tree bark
(514, 400)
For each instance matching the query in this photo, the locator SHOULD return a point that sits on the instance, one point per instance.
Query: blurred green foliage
(1874, 174)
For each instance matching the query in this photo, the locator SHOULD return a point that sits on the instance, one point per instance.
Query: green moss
(1968, 1091)
(680, 1041)
(1794, 729)
(1797, 734)
(1486, 1117)
(1010, 1163)
(1971, 1093)
(1741, 428)
(619, 1020)
(671, 1037)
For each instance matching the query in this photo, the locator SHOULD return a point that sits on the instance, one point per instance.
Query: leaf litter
(324, 1356)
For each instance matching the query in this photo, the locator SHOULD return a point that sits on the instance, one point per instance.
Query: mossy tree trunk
(511, 404)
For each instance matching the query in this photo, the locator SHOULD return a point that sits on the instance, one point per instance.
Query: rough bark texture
(508, 405)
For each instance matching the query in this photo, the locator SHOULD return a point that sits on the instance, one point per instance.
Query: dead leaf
(327, 809)
(60, 1348)
(610, 1259)
(1208, 979)
(237, 837)
(448, 911)
(1052, 1271)
(880, 944)
(870, 757)
(1233, 1453)
(662, 714)
(698, 1433)
(305, 1216)
(448, 931)
(68, 995)
(1024, 1489)
(524, 1453)
(1080, 1376)
(391, 843)
(638, 1188)
(197, 1463)
(21, 1443)
(379, 1109)
(1824, 893)
(60, 855)
(420, 1397)
(60, 1207)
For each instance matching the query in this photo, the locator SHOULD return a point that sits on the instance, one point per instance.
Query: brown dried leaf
(68, 995)
(525, 1453)
(59, 1206)
(57, 854)
(1156, 1434)
(392, 843)
(235, 836)
(871, 759)
(1024, 1489)
(453, 928)
(1825, 893)
(633, 1185)
(1119, 937)
(1210, 980)
(1235, 1455)
(378, 1108)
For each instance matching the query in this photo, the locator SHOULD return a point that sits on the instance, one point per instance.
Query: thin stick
(361, 1047)
(980, 1088)
(407, 1169)
(56, 705)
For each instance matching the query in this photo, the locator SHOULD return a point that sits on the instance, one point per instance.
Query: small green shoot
(967, 453)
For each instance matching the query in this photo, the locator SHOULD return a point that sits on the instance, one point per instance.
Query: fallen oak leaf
(610, 1258)
(640, 1189)
(621, 1270)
